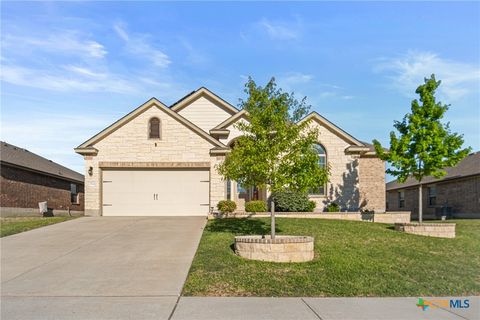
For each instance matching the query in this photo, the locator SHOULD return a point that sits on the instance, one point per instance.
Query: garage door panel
(155, 192)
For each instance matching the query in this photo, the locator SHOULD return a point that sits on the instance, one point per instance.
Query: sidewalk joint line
(174, 308)
(309, 307)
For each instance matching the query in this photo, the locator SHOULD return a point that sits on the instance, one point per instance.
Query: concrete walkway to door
(98, 268)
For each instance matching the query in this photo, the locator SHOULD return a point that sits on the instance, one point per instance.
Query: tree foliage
(424, 145)
(275, 149)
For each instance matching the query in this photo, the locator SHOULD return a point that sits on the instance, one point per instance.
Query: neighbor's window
(154, 128)
(401, 199)
(322, 162)
(73, 193)
(432, 195)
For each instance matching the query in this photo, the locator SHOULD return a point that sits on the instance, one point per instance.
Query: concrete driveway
(98, 268)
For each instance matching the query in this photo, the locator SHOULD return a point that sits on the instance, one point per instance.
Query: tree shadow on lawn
(243, 226)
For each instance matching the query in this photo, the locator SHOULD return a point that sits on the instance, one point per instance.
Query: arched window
(322, 162)
(154, 128)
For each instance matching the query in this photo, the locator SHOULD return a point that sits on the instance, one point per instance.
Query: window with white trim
(322, 162)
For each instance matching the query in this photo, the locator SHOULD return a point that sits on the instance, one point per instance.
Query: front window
(73, 193)
(322, 163)
(154, 128)
(401, 199)
(432, 195)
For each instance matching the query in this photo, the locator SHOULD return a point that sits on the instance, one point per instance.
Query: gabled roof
(469, 166)
(86, 147)
(239, 115)
(189, 98)
(338, 131)
(18, 157)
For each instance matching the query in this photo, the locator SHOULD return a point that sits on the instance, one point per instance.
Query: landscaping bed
(351, 259)
(9, 226)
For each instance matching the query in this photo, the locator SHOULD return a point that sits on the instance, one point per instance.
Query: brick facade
(461, 195)
(372, 183)
(21, 188)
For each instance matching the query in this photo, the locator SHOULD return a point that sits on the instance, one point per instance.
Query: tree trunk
(420, 205)
(272, 210)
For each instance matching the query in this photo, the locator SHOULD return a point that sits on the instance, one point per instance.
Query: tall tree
(424, 145)
(276, 149)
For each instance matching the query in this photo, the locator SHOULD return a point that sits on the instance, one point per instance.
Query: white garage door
(169, 192)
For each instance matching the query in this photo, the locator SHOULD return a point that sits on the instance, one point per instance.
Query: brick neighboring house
(162, 160)
(457, 193)
(27, 179)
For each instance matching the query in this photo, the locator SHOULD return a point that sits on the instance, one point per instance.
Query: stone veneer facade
(130, 143)
(356, 181)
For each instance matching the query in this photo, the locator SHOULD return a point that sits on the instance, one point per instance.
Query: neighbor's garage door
(169, 192)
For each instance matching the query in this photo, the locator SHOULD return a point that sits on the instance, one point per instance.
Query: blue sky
(69, 69)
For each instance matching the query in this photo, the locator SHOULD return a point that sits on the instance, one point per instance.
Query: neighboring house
(160, 160)
(456, 194)
(27, 179)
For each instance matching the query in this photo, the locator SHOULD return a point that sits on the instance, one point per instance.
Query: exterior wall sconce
(90, 171)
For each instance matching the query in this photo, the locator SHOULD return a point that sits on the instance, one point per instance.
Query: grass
(9, 226)
(351, 259)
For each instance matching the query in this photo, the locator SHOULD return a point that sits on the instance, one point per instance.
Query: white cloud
(408, 71)
(139, 45)
(64, 42)
(85, 71)
(296, 77)
(79, 79)
(279, 30)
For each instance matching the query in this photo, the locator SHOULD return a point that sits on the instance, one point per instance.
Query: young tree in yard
(424, 146)
(275, 151)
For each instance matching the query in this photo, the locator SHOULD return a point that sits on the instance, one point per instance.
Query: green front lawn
(9, 226)
(351, 259)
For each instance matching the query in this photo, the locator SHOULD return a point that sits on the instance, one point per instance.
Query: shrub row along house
(27, 179)
(160, 160)
(457, 194)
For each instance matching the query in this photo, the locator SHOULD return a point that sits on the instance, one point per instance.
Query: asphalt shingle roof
(467, 167)
(21, 157)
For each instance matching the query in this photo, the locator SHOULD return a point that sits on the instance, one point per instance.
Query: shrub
(311, 206)
(226, 206)
(292, 201)
(256, 206)
(333, 207)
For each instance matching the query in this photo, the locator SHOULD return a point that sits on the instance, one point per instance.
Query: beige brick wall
(130, 143)
(343, 185)
(346, 179)
(217, 184)
(234, 132)
(372, 183)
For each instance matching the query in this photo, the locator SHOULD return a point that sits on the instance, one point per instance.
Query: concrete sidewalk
(252, 308)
